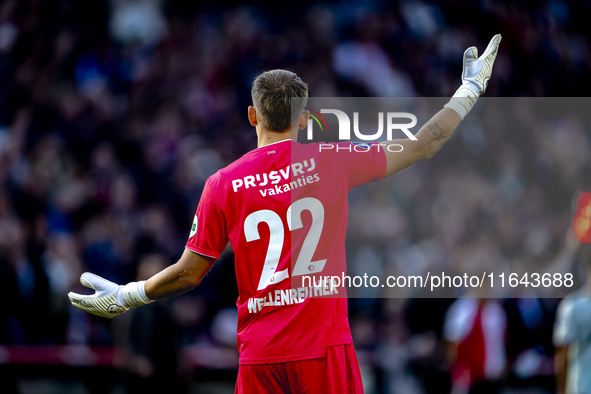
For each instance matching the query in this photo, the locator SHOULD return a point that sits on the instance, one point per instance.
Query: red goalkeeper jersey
(284, 209)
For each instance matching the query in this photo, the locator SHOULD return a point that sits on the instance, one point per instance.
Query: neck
(270, 137)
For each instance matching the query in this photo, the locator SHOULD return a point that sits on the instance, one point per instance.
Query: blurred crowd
(114, 113)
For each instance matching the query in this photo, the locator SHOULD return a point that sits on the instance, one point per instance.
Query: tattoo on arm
(438, 133)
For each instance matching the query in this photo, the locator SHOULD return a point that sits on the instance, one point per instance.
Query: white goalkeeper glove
(110, 299)
(475, 76)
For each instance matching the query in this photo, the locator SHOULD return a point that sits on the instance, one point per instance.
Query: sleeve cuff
(204, 252)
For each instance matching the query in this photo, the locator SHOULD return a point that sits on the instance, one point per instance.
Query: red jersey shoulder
(215, 189)
(258, 168)
(208, 233)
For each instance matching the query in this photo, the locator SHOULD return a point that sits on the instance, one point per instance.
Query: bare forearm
(169, 282)
(430, 138)
(179, 277)
(438, 130)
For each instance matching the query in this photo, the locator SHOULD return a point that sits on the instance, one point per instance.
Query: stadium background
(113, 114)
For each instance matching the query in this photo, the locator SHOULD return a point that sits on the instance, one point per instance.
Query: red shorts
(336, 373)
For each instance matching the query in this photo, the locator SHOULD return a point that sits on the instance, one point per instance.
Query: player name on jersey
(289, 296)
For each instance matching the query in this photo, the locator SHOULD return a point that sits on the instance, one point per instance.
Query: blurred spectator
(137, 21)
(476, 330)
(572, 337)
(153, 342)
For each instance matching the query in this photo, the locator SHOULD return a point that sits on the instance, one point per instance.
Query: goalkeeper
(111, 299)
(227, 213)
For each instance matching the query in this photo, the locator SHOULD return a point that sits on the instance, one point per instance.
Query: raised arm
(111, 299)
(430, 138)
(435, 133)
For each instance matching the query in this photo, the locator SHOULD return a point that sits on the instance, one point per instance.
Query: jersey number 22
(304, 263)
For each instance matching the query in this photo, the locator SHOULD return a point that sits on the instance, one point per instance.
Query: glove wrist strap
(462, 101)
(133, 294)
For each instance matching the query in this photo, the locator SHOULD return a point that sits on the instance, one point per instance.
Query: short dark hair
(272, 94)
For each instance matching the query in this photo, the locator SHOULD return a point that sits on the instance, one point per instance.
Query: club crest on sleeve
(194, 227)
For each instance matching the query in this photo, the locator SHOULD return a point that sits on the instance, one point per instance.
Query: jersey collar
(273, 143)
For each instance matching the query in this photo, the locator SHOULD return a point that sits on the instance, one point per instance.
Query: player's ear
(304, 120)
(252, 116)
